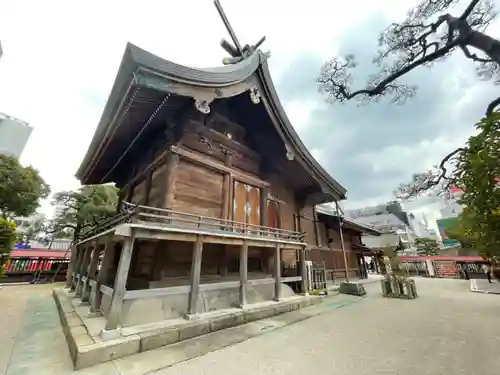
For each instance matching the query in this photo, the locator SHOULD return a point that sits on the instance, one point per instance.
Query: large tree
(476, 172)
(460, 229)
(431, 32)
(21, 188)
(82, 209)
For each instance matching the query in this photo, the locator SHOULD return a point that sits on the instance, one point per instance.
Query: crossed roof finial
(235, 50)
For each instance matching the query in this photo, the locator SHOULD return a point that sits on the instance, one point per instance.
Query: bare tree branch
(422, 182)
(420, 40)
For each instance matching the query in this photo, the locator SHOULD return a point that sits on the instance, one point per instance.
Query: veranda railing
(147, 214)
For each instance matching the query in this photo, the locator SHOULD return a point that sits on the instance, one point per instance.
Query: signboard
(442, 225)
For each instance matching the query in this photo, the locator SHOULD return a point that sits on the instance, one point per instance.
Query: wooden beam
(147, 188)
(83, 269)
(102, 277)
(245, 178)
(277, 272)
(243, 273)
(226, 197)
(264, 192)
(195, 276)
(94, 261)
(303, 271)
(171, 172)
(115, 308)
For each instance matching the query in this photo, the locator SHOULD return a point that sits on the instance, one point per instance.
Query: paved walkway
(448, 330)
(483, 286)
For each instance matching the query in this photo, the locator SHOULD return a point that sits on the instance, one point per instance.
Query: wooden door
(273, 219)
(246, 204)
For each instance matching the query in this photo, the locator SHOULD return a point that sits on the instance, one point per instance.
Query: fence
(316, 277)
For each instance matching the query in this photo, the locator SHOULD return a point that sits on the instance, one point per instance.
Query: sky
(61, 57)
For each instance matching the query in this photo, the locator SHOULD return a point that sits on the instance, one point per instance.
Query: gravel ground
(447, 331)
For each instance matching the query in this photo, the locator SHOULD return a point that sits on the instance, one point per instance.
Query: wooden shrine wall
(197, 190)
(221, 138)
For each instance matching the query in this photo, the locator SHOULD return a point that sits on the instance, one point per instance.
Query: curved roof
(140, 67)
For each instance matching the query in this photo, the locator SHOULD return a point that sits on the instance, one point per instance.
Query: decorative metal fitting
(290, 155)
(255, 95)
(202, 106)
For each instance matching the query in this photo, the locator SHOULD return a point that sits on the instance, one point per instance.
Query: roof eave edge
(321, 173)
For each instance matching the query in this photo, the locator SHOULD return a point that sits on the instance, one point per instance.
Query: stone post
(195, 276)
(119, 289)
(243, 273)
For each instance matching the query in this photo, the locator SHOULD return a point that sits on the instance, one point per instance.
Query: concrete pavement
(483, 286)
(447, 330)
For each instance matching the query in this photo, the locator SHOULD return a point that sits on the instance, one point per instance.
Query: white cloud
(60, 58)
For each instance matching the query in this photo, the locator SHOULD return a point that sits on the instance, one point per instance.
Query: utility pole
(341, 221)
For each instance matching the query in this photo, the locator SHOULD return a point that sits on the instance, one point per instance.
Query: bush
(7, 240)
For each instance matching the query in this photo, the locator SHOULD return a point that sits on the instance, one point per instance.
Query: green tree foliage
(82, 209)
(476, 171)
(21, 188)
(460, 229)
(426, 246)
(7, 240)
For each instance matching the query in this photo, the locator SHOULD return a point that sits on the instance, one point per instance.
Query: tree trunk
(485, 43)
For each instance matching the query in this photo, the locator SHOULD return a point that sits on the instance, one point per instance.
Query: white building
(399, 228)
(58, 211)
(451, 210)
(24, 223)
(14, 135)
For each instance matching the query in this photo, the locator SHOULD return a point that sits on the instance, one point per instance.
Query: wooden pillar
(226, 197)
(277, 272)
(158, 257)
(264, 217)
(94, 261)
(83, 269)
(195, 275)
(102, 277)
(303, 271)
(76, 268)
(171, 166)
(115, 308)
(147, 188)
(70, 273)
(243, 273)
(317, 234)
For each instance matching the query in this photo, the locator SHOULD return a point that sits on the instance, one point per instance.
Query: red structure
(23, 264)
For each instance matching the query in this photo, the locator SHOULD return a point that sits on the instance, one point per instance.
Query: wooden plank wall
(198, 190)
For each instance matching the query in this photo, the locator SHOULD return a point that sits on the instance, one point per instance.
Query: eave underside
(144, 114)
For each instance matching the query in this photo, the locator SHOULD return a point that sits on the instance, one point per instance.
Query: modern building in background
(449, 215)
(399, 228)
(14, 135)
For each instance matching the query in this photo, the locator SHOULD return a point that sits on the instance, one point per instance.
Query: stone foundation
(87, 349)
